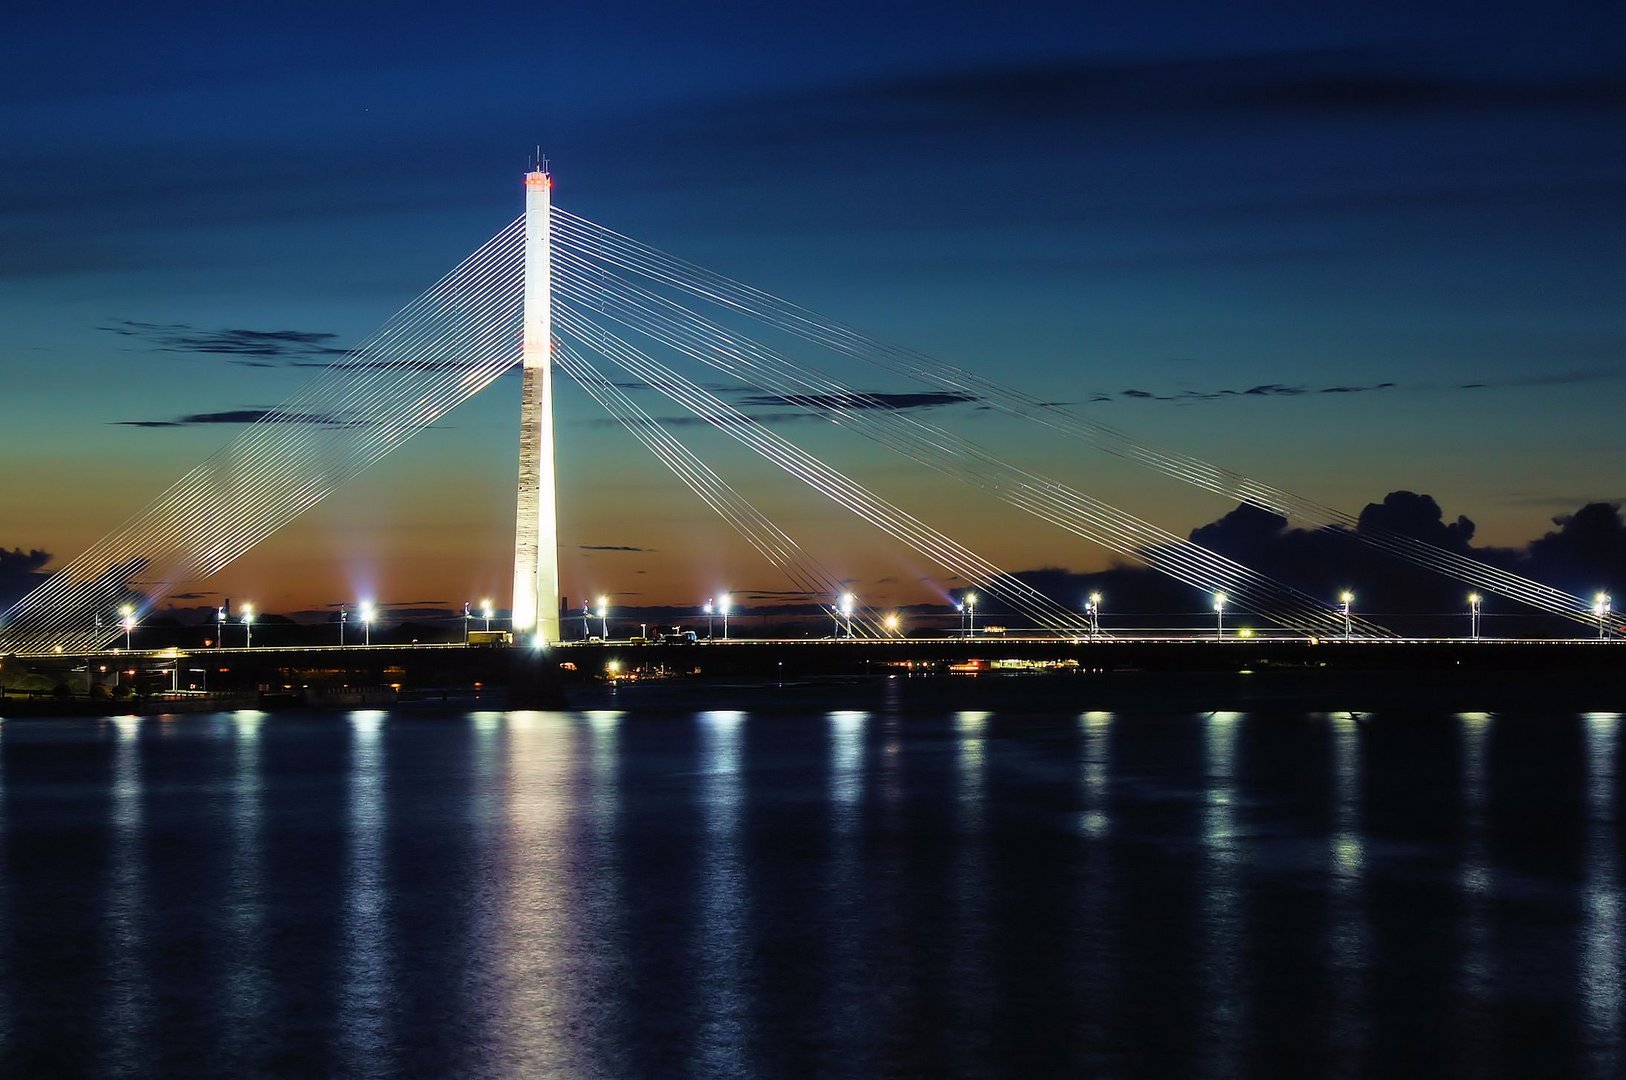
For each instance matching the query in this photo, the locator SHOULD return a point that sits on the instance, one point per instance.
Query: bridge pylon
(536, 527)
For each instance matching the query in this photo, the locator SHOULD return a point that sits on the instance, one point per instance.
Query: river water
(809, 890)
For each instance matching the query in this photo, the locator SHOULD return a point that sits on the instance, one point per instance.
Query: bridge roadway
(539, 678)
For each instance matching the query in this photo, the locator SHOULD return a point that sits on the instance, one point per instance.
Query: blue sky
(1137, 207)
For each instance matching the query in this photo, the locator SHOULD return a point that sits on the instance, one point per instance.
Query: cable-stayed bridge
(552, 290)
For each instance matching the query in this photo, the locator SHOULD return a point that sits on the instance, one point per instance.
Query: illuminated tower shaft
(536, 530)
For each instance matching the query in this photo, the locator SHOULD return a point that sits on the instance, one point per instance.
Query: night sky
(1349, 252)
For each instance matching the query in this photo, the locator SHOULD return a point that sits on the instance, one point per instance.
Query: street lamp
(467, 615)
(1092, 607)
(485, 612)
(959, 605)
(847, 611)
(1600, 608)
(971, 612)
(344, 617)
(1346, 598)
(1473, 615)
(891, 623)
(367, 614)
(722, 609)
(127, 620)
(220, 627)
(604, 617)
(711, 609)
(248, 626)
(1219, 615)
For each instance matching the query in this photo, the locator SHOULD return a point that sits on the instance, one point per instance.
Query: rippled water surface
(810, 892)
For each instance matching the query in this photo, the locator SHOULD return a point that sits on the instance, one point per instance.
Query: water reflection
(1603, 937)
(366, 999)
(1475, 887)
(535, 986)
(720, 1042)
(126, 996)
(1347, 930)
(1221, 894)
(829, 892)
(245, 900)
(970, 984)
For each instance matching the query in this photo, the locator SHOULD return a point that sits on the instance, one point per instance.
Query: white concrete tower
(536, 529)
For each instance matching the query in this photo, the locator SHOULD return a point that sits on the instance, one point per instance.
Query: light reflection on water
(127, 996)
(366, 1001)
(1603, 935)
(606, 893)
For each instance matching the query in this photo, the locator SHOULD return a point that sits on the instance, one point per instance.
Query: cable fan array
(597, 248)
(441, 349)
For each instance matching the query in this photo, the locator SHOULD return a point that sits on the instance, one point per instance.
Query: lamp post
(1473, 616)
(971, 613)
(1092, 607)
(1346, 598)
(1219, 615)
(959, 605)
(220, 627)
(344, 617)
(367, 614)
(1600, 608)
(248, 626)
(891, 624)
(711, 611)
(467, 615)
(127, 620)
(604, 617)
(722, 609)
(847, 611)
(485, 612)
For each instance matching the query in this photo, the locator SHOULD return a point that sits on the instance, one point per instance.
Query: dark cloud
(20, 572)
(884, 402)
(1586, 553)
(251, 348)
(1263, 390)
(242, 416)
(611, 547)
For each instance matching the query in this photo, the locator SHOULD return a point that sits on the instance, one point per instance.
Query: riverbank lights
(1220, 600)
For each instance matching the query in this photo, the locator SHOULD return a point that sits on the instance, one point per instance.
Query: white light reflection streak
(537, 984)
(245, 979)
(1475, 886)
(364, 1005)
(1097, 889)
(128, 996)
(970, 917)
(846, 886)
(1221, 966)
(1347, 932)
(1602, 944)
(721, 1042)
